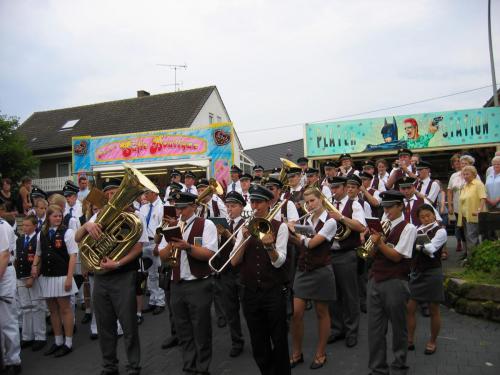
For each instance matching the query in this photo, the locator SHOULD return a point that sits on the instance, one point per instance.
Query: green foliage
(16, 159)
(485, 257)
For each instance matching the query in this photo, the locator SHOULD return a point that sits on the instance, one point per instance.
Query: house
(49, 133)
(269, 156)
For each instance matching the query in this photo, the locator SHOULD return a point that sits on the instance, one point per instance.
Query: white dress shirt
(434, 191)
(192, 189)
(328, 230)
(358, 214)
(156, 216)
(407, 238)
(439, 239)
(69, 240)
(209, 240)
(366, 207)
(220, 204)
(291, 212)
(381, 182)
(77, 209)
(234, 186)
(281, 244)
(7, 238)
(327, 192)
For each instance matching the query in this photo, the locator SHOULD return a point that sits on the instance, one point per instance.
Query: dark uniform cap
(36, 192)
(302, 160)
(235, 169)
(391, 197)
(202, 183)
(337, 180)
(189, 174)
(406, 181)
(404, 151)
(70, 188)
(365, 176)
(113, 183)
(293, 171)
(424, 164)
(258, 168)
(260, 193)
(274, 181)
(175, 172)
(330, 164)
(246, 176)
(344, 156)
(369, 164)
(257, 179)
(235, 197)
(183, 199)
(311, 171)
(175, 186)
(353, 179)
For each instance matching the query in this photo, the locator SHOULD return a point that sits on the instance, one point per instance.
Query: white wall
(214, 106)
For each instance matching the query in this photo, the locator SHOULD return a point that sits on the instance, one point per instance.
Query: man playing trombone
(264, 278)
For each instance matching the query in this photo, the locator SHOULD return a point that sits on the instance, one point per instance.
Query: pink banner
(151, 147)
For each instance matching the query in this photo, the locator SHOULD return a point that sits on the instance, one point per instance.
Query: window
(70, 124)
(63, 169)
(210, 118)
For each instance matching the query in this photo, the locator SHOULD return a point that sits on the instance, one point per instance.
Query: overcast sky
(274, 62)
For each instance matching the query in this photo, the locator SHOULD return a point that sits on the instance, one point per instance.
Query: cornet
(364, 251)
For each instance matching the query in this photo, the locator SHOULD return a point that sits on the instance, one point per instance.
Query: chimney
(142, 93)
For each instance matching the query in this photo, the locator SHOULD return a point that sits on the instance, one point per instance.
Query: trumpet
(364, 251)
(258, 228)
(173, 259)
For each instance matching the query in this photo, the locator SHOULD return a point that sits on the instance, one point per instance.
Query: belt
(151, 238)
(10, 264)
(182, 281)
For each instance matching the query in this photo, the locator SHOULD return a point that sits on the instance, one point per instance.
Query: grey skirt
(427, 286)
(316, 285)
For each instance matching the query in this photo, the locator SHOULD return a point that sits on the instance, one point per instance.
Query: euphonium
(365, 250)
(120, 230)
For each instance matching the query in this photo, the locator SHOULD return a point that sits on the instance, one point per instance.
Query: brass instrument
(120, 230)
(173, 259)
(343, 231)
(364, 251)
(213, 187)
(258, 228)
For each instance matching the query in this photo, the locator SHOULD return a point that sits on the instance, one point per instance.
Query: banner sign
(419, 131)
(214, 142)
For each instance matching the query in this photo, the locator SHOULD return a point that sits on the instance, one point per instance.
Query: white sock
(88, 310)
(139, 313)
(68, 341)
(59, 340)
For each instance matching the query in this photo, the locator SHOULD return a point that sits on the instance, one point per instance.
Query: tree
(16, 158)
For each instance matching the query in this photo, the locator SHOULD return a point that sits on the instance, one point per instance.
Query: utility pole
(492, 61)
(175, 68)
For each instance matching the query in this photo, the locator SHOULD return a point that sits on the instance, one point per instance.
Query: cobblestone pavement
(466, 346)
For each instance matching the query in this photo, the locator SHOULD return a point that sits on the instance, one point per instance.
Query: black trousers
(231, 292)
(265, 313)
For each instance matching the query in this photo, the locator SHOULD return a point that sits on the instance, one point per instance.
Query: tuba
(364, 251)
(120, 230)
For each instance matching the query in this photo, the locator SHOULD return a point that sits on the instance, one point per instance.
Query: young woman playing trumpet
(314, 279)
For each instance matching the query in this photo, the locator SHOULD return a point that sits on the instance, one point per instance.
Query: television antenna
(174, 67)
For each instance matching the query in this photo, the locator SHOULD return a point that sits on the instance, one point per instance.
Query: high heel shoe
(295, 362)
(317, 363)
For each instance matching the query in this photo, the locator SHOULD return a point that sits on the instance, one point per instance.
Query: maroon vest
(414, 217)
(383, 268)
(199, 268)
(226, 251)
(427, 190)
(420, 261)
(376, 211)
(256, 270)
(320, 256)
(353, 240)
(215, 208)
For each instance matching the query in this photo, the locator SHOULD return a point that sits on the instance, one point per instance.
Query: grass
(478, 277)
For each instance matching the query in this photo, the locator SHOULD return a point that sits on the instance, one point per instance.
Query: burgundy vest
(383, 268)
(256, 270)
(199, 268)
(353, 240)
(427, 190)
(414, 217)
(320, 256)
(420, 261)
(226, 251)
(215, 208)
(376, 211)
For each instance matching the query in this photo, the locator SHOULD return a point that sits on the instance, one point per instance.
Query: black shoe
(158, 310)
(86, 318)
(38, 345)
(236, 351)
(64, 350)
(74, 329)
(221, 322)
(294, 363)
(94, 336)
(115, 372)
(351, 341)
(334, 338)
(316, 364)
(148, 309)
(26, 344)
(411, 347)
(140, 320)
(170, 342)
(14, 369)
(363, 309)
(54, 348)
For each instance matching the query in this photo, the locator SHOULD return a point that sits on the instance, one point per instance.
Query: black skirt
(427, 286)
(316, 285)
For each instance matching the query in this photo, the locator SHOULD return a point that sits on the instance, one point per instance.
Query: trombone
(258, 228)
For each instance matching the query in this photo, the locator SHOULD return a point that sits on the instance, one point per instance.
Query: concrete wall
(213, 106)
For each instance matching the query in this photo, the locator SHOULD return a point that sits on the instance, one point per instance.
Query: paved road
(466, 346)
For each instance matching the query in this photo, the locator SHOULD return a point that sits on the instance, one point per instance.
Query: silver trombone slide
(231, 256)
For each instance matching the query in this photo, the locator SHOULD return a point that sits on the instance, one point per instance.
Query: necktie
(246, 197)
(419, 186)
(234, 186)
(189, 189)
(408, 212)
(338, 205)
(71, 211)
(52, 233)
(26, 241)
(148, 218)
(39, 224)
(231, 226)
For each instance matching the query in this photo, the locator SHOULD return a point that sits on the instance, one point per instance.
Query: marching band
(264, 243)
